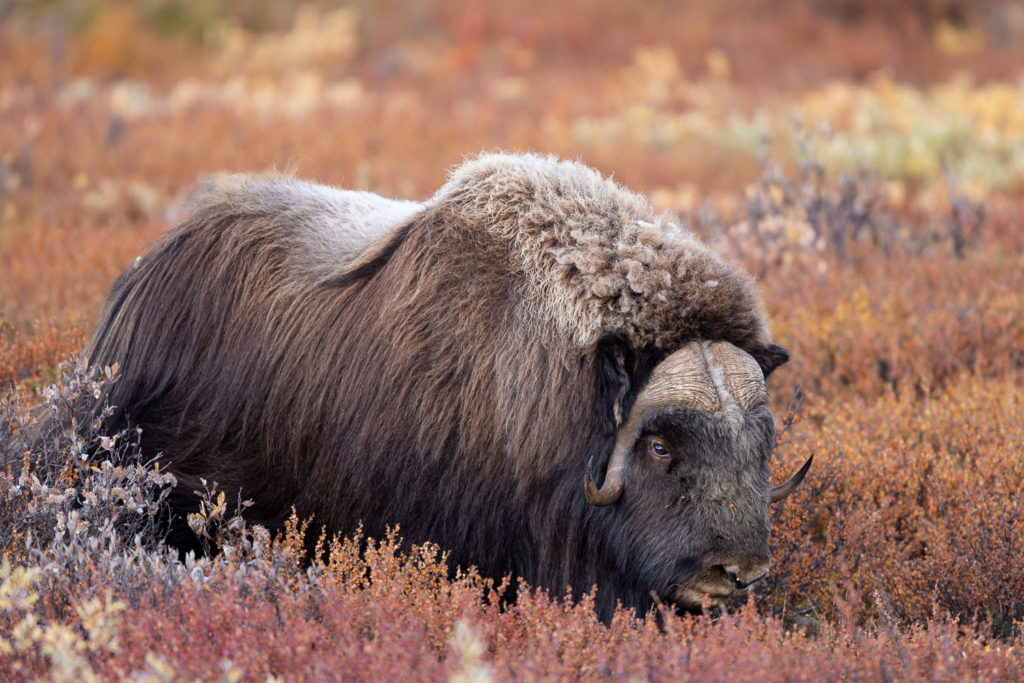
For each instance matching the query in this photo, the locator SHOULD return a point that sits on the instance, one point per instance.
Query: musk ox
(528, 369)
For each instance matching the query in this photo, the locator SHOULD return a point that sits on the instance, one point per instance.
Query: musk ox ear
(769, 357)
(614, 390)
(620, 373)
(614, 365)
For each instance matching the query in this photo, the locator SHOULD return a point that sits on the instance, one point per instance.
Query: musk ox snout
(746, 575)
(732, 559)
(715, 586)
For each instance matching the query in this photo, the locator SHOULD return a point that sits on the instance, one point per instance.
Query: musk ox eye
(661, 456)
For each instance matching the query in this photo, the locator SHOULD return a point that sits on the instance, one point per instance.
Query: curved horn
(779, 492)
(681, 379)
(741, 376)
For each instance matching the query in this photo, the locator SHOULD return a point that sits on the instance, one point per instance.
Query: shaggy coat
(450, 366)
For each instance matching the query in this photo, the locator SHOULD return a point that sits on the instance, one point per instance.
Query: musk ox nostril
(746, 576)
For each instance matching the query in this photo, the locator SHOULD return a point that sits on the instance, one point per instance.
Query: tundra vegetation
(865, 160)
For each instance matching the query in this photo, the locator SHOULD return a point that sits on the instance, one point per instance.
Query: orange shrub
(33, 357)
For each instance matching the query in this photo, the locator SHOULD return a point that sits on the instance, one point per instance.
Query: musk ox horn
(701, 376)
(779, 492)
(741, 375)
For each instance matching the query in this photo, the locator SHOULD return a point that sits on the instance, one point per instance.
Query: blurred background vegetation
(676, 91)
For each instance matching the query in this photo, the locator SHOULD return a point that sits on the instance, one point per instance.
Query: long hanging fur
(448, 366)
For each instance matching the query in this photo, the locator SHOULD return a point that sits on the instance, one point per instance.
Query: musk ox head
(689, 474)
(528, 369)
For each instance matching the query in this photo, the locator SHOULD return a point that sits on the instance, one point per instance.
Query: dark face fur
(696, 503)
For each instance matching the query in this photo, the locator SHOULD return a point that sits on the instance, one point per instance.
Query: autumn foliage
(864, 159)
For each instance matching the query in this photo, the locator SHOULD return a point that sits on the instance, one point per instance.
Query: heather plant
(72, 490)
(805, 214)
(31, 357)
(913, 506)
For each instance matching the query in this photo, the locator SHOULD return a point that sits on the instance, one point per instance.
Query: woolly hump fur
(595, 257)
(598, 259)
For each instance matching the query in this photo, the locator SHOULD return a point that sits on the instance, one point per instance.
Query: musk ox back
(527, 369)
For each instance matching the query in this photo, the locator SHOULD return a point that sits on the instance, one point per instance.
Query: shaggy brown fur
(452, 373)
(596, 259)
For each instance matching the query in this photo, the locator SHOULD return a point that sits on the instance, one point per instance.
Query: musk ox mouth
(710, 588)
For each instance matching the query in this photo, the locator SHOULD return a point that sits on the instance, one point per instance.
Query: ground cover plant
(865, 161)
